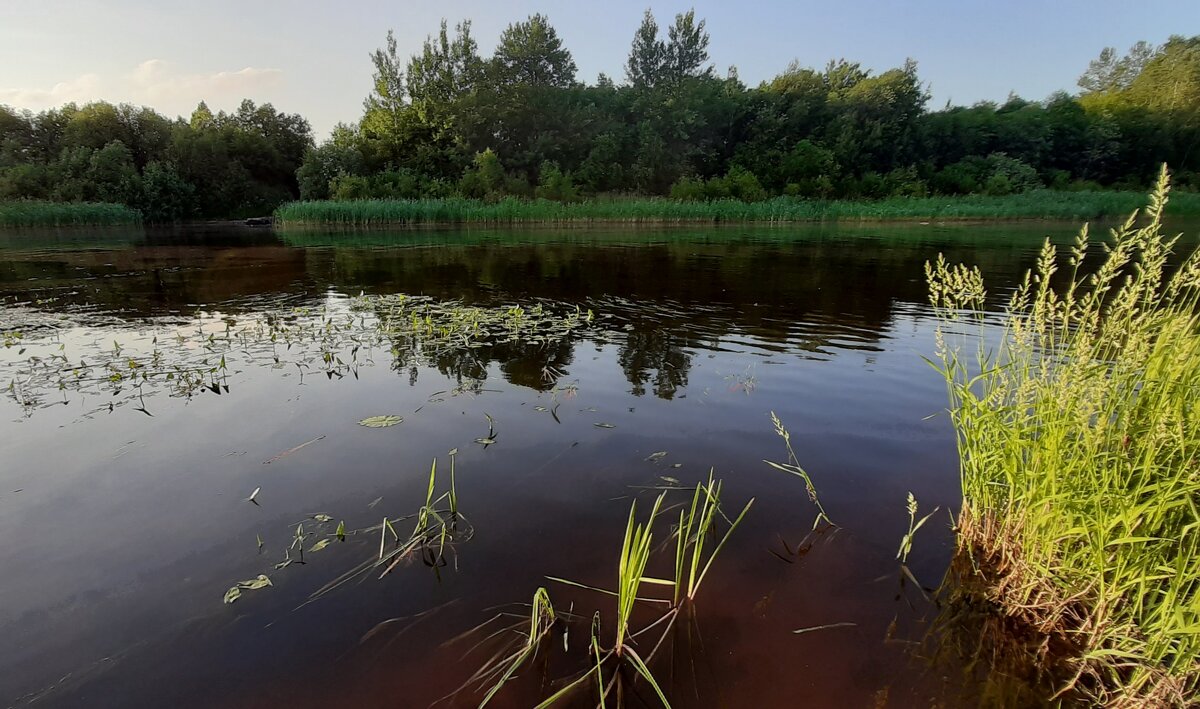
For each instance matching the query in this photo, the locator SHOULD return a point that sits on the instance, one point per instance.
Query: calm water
(124, 516)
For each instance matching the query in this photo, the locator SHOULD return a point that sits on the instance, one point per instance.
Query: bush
(556, 185)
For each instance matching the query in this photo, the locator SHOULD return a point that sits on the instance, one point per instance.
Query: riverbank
(1042, 204)
(54, 214)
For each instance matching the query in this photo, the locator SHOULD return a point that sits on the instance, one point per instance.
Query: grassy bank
(49, 214)
(1079, 438)
(1039, 204)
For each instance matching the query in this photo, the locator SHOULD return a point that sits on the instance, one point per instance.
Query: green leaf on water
(485, 441)
(320, 545)
(655, 457)
(604, 425)
(341, 531)
(381, 421)
(253, 584)
(323, 518)
(260, 581)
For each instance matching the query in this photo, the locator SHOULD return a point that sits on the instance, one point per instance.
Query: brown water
(124, 525)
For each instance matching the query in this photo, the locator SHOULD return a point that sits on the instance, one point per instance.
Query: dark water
(124, 526)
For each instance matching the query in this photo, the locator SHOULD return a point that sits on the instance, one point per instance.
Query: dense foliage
(519, 123)
(451, 122)
(220, 165)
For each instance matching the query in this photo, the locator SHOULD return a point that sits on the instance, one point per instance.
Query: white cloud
(155, 83)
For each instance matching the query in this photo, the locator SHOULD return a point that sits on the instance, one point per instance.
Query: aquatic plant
(793, 467)
(913, 525)
(53, 214)
(692, 561)
(1078, 432)
(185, 359)
(1039, 203)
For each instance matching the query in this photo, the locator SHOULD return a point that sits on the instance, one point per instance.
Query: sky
(311, 56)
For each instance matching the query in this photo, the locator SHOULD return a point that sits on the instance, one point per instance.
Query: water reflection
(127, 529)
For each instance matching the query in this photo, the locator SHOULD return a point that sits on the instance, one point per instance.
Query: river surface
(185, 403)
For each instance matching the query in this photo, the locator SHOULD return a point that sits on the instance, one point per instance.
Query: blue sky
(310, 56)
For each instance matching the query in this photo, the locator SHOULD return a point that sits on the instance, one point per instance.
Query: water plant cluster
(1042, 204)
(1079, 433)
(45, 360)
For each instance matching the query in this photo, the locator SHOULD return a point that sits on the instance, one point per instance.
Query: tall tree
(530, 53)
(1108, 72)
(687, 48)
(647, 56)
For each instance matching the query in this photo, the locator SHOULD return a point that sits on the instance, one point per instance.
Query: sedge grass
(53, 214)
(1038, 204)
(1079, 437)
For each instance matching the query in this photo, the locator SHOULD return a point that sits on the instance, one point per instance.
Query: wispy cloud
(154, 83)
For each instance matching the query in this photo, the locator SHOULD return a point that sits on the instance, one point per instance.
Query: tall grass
(1079, 440)
(35, 214)
(1042, 203)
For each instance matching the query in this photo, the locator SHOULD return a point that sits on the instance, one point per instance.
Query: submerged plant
(1079, 433)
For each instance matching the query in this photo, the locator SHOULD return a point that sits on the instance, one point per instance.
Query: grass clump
(51, 214)
(1079, 438)
(626, 654)
(1037, 204)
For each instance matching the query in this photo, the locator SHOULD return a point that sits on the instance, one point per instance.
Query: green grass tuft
(1079, 439)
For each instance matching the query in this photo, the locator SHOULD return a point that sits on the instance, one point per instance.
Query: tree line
(215, 165)
(449, 121)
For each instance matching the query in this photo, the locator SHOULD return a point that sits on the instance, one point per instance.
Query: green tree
(648, 55)
(531, 54)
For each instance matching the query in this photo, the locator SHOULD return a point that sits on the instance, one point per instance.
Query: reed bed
(49, 214)
(1079, 438)
(1038, 204)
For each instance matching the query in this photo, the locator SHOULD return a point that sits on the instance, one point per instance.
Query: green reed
(42, 214)
(1079, 437)
(1041, 203)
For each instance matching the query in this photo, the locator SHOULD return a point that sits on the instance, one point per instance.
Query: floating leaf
(253, 495)
(655, 457)
(253, 584)
(320, 545)
(676, 465)
(341, 531)
(260, 581)
(323, 518)
(374, 502)
(604, 425)
(260, 541)
(669, 479)
(485, 441)
(539, 408)
(381, 421)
